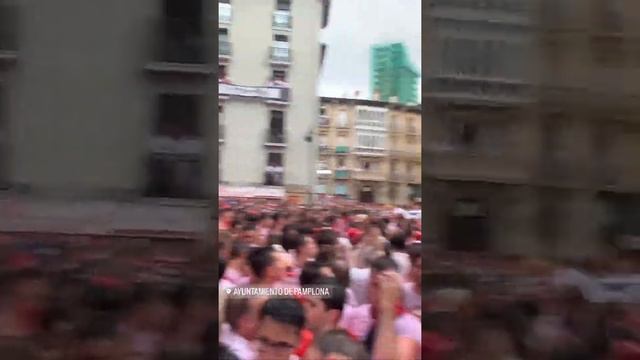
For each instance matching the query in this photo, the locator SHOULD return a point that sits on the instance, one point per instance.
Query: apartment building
(268, 63)
(533, 144)
(105, 116)
(369, 151)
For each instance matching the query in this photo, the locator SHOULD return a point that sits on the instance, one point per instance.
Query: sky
(355, 25)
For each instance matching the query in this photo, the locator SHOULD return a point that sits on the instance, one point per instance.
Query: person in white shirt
(237, 272)
(238, 333)
(398, 253)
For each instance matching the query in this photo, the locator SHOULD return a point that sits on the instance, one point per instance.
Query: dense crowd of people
(112, 300)
(124, 299)
(473, 306)
(370, 259)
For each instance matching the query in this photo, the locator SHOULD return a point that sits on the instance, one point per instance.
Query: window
(224, 11)
(174, 177)
(178, 116)
(323, 111)
(281, 38)
(610, 12)
(369, 117)
(274, 159)
(279, 75)
(223, 34)
(276, 126)
(283, 5)
(343, 120)
(366, 165)
(371, 140)
(274, 173)
(341, 162)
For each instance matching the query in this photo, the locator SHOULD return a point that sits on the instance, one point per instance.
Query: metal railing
(275, 137)
(180, 41)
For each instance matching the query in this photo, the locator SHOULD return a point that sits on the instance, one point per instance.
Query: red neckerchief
(306, 339)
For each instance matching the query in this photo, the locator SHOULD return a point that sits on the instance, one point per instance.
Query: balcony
(224, 13)
(280, 55)
(180, 47)
(478, 90)
(369, 175)
(274, 176)
(461, 164)
(282, 20)
(8, 34)
(165, 145)
(224, 51)
(342, 150)
(323, 121)
(342, 174)
(275, 139)
(325, 149)
(369, 151)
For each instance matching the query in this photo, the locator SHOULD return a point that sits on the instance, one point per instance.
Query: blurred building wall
(81, 100)
(534, 122)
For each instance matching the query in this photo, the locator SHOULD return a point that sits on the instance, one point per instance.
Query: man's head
(398, 241)
(381, 264)
(313, 271)
(415, 255)
(323, 313)
(249, 232)
(281, 320)
(337, 345)
(239, 254)
(241, 316)
(306, 247)
(266, 265)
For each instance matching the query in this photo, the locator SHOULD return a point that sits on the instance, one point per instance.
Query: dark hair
(337, 293)
(311, 273)
(234, 308)
(239, 249)
(415, 252)
(339, 342)
(326, 256)
(285, 311)
(340, 270)
(326, 238)
(260, 259)
(383, 263)
(398, 241)
(291, 239)
(250, 226)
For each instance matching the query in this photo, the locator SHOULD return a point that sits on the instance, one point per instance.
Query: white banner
(262, 92)
(250, 192)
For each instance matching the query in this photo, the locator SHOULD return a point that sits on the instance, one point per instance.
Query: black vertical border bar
(211, 15)
(424, 116)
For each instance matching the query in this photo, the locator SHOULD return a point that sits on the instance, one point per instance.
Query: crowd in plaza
(471, 307)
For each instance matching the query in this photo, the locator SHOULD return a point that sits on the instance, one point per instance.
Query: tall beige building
(535, 135)
(269, 60)
(369, 151)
